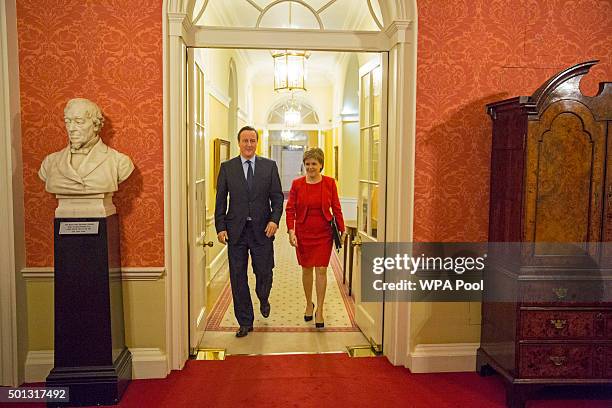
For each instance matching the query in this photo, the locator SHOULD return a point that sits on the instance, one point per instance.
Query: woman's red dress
(314, 235)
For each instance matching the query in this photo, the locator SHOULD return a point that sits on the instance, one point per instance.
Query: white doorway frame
(398, 39)
(12, 246)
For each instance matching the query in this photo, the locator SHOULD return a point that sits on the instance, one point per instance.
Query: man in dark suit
(249, 225)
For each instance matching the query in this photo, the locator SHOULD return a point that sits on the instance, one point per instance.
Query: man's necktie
(249, 175)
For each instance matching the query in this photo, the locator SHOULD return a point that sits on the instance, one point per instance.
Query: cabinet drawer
(561, 324)
(594, 292)
(565, 361)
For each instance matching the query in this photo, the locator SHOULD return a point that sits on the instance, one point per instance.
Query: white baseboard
(146, 363)
(149, 363)
(38, 365)
(443, 358)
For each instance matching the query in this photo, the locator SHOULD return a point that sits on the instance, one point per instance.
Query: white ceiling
(320, 67)
(333, 14)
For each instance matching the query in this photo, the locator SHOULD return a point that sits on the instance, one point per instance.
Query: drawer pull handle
(561, 293)
(558, 360)
(558, 323)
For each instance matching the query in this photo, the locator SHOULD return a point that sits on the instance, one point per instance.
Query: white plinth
(85, 206)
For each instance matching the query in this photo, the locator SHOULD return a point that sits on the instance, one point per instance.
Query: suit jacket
(263, 204)
(100, 172)
(297, 211)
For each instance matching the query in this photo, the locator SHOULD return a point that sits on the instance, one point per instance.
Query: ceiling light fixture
(290, 70)
(292, 115)
(290, 67)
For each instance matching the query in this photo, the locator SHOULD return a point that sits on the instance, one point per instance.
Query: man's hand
(222, 237)
(271, 229)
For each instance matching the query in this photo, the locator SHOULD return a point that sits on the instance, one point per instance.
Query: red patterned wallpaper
(109, 51)
(470, 53)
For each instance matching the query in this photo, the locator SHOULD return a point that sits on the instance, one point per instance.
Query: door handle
(356, 241)
(206, 244)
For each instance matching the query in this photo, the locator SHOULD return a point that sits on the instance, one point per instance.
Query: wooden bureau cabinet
(551, 182)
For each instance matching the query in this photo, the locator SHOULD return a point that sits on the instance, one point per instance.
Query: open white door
(372, 174)
(196, 190)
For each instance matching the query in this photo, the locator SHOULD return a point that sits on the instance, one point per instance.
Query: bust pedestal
(90, 353)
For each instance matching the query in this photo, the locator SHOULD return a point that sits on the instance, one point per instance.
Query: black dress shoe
(319, 325)
(264, 308)
(308, 318)
(243, 331)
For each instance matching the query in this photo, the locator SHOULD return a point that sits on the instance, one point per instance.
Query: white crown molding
(439, 358)
(138, 273)
(296, 127)
(243, 115)
(342, 59)
(336, 124)
(146, 363)
(399, 32)
(349, 117)
(328, 126)
(213, 90)
(179, 25)
(370, 65)
(244, 62)
(314, 40)
(244, 58)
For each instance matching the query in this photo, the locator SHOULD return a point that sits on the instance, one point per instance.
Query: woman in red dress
(308, 216)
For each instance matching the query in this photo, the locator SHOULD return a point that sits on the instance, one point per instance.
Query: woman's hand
(293, 238)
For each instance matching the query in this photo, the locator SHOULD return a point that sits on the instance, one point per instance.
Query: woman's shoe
(308, 318)
(319, 325)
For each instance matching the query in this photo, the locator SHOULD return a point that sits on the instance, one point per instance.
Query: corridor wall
(111, 53)
(471, 53)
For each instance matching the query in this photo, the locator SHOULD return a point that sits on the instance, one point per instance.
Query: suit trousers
(262, 260)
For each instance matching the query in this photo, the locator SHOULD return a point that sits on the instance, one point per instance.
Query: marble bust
(86, 166)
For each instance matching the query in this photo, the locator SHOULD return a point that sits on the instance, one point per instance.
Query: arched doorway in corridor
(183, 35)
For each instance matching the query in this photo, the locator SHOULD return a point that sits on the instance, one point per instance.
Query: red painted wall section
(471, 53)
(110, 52)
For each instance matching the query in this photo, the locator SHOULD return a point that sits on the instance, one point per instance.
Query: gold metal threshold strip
(212, 354)
(364, 350)
(286, 353)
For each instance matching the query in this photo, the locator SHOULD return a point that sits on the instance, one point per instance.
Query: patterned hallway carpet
(287, 298)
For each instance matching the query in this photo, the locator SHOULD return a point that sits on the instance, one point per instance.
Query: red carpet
(330, 380)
